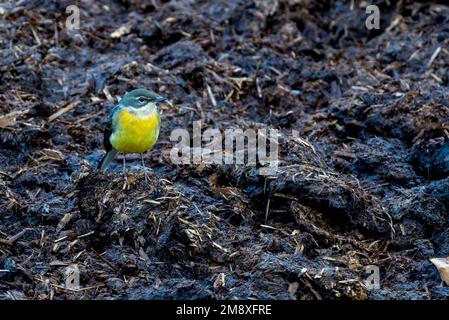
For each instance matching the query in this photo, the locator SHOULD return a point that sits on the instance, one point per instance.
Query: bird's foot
(147, 179)
(125, 183)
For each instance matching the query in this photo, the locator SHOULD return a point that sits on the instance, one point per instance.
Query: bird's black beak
(161, 99)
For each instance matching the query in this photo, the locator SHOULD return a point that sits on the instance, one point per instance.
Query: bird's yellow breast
(134, 132)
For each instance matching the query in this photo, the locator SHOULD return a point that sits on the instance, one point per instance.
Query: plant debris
(363, 120)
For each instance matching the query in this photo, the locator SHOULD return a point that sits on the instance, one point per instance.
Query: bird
(132, 127)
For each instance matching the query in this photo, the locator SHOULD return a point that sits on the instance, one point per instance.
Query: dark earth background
(364, 183)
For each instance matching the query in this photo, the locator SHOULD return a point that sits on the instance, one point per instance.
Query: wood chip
(442, 264)
(62, 111)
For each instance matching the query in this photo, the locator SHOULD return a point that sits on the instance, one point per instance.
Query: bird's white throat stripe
(145, 111)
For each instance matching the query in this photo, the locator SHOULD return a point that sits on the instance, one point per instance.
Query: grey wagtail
(132, 127)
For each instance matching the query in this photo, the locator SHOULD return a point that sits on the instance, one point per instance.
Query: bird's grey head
(140, 97)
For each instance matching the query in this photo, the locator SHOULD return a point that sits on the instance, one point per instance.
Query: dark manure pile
(363, 129)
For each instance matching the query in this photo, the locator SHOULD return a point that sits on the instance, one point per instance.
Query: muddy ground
(363, 183)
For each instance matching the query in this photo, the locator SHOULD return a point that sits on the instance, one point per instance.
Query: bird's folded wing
(108, 128)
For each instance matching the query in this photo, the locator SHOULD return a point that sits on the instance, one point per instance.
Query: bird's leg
(144, 168)
(124, 171)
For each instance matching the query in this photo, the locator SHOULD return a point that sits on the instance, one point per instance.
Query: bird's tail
(104, 163)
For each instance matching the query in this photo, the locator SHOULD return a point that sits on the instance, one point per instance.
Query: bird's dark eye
(141, 99)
